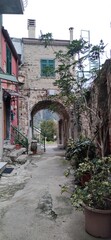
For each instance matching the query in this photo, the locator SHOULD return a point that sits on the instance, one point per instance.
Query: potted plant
(77, 151)
(83, 172)
(95, 197)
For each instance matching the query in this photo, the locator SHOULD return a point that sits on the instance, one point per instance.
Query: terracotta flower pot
(98, 222)
(18, 146)
(85, 178)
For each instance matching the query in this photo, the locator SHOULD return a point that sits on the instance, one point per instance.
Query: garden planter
(98, 222)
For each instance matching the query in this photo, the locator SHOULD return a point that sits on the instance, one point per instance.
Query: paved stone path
(31, 204)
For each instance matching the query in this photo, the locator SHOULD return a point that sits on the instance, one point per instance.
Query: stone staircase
(13, 155)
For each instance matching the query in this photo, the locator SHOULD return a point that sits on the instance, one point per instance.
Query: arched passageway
(63, 120)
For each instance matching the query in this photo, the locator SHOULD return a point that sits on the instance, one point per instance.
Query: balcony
(12, 6)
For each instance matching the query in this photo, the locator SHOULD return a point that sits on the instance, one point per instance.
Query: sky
(58, 16)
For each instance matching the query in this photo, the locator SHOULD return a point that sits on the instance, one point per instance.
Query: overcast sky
(57, 16)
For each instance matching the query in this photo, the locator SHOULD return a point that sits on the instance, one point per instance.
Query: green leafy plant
(49, 129)
(84, 172)
(46, 38)
(96, 193)
(80, 150)
(75, 84)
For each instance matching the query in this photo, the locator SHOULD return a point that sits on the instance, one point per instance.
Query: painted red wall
(14, 61)
(9, 85)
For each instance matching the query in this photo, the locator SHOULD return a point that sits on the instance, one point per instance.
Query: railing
(19, 138)
(39, 137)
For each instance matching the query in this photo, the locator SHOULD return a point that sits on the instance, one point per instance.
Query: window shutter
(8, 60)
(47, 68)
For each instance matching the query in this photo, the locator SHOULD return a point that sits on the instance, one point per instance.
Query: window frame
(47, 63)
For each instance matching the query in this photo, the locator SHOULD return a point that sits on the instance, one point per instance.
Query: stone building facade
(37, 87)
(39, 92)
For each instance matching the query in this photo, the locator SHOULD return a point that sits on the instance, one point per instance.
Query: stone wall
(34, 88)
(96, 123)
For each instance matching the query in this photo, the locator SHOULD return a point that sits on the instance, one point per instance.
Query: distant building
(36, 78)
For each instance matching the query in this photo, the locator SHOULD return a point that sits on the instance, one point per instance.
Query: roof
(8, 77)
(54, 42)
(12, 93)
(12, 6)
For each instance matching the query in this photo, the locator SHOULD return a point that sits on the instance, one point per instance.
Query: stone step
(22, 159)
(16, 153)
(7, 149)
(9, 146)
(2, 166)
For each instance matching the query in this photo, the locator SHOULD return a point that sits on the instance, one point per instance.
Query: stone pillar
(1, 101)
(29, 127)
(67, 131)
(29, 121)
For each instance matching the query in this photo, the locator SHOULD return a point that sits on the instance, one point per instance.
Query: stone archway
(63, 123)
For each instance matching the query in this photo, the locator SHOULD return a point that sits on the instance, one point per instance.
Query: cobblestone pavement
(31, 204)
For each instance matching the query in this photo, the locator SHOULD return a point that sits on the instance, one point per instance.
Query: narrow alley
(31, 204)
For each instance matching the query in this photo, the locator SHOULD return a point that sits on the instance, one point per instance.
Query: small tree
(75, 84)
(49, 129)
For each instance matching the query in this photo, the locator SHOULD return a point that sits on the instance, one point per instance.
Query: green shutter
(8, 60)
(47, 68)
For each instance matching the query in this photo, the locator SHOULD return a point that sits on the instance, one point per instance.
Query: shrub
(96, 192)
(80, 150)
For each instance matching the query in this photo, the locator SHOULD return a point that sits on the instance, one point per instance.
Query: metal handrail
(19, 138)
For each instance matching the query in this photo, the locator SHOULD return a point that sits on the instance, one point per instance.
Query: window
(8, 60)
(47, 68)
